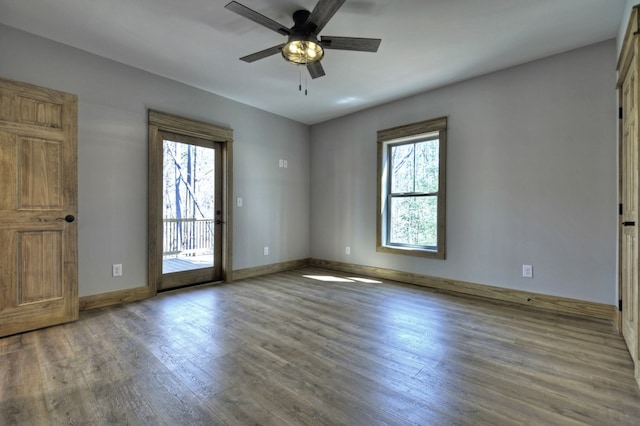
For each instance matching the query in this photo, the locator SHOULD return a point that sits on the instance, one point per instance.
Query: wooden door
(629, 217)
(38, 203)
(628, 189)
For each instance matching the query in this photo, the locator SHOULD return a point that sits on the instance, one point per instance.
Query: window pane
(402, 168)
(414, 221)
(427, 165)
(188, 207)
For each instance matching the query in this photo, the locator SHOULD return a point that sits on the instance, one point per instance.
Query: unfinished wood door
(629, 186)
(629, 217)
(38, 181)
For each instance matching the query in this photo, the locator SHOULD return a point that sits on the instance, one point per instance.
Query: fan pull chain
(306, 82)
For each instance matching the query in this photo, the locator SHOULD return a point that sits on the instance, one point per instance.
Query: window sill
(408, 251)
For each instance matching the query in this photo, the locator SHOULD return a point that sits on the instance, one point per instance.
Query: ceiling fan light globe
(303, 51)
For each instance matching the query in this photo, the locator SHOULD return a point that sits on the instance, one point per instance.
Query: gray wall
(625, 21)
(531, 178)
(112, 160)
(531, 171)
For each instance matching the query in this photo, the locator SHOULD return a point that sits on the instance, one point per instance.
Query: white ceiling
(425, 43)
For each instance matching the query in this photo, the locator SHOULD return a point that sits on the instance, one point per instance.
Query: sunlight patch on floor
(365, 280)
(331, 278)
(328, 278)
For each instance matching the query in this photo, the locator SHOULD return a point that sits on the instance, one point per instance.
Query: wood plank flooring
(286, 349)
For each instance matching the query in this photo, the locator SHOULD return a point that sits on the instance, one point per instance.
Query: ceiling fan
(302, 46)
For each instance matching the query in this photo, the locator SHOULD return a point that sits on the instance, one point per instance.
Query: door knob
(68, 218)
(628, 224)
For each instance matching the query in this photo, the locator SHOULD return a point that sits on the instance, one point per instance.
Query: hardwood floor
(286, 349)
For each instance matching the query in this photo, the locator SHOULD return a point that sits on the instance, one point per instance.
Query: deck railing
(191, 237)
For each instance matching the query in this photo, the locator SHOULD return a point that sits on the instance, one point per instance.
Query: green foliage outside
(414, 193)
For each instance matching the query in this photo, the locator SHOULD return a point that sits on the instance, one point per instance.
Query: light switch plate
(116, 270)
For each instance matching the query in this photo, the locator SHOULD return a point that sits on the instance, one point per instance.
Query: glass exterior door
(191, 211)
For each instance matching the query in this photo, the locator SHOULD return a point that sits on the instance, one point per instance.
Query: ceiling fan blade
(350, 43)
(263, 53)
(323, 12)
(258, 18)
(315, 70)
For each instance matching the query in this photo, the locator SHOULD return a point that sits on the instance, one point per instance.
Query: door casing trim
(160, 121)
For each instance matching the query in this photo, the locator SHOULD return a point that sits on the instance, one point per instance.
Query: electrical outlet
(239, 201)
(281, 163)
(285, 163)
(116, 269)
(527, 271)
(266, 251)
(347, 250)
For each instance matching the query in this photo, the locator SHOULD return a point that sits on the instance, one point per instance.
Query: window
(411, 189)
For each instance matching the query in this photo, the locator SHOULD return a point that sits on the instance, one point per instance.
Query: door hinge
(620, 305)
(620, 209)
(620, 113)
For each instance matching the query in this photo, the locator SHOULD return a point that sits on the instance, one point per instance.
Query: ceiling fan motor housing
(300, 18)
